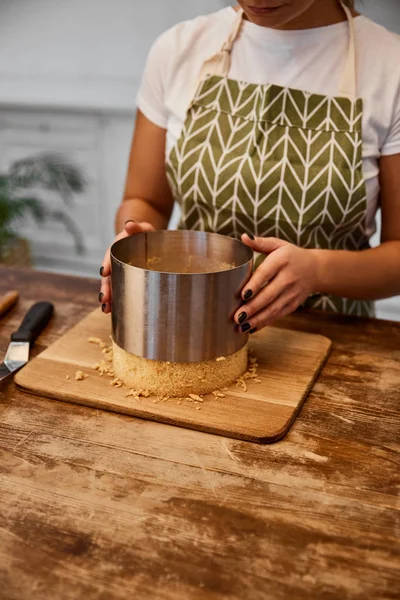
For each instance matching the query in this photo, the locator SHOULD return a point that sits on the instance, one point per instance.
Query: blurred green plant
(20, 194)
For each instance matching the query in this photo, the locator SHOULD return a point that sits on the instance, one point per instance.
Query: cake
(178, 379)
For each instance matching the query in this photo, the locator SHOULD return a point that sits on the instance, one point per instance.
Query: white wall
(82, 52)
(385, 12)
(69, 73)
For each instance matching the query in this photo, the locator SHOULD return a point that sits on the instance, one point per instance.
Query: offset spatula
(33, 324)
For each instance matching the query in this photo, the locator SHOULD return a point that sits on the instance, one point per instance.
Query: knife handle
(34, 322)
(7, 301)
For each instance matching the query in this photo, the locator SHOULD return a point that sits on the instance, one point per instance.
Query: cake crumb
(195, 397)
(154, 260)
(108, 353)
(80, 376)
(221, 358)
(198, 408)
(105, 369)
(241, 383)
(95, 340)
(160, 399)
(67, 377)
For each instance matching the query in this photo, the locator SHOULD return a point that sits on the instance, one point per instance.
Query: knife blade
(32, 325)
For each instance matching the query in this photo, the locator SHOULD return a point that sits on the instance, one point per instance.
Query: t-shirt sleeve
(151, 96)
(391, 144)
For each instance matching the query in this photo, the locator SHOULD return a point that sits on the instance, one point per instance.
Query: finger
(265, 245)
(281, 307)
(105, 265)
(105, 268)
(106, 307)
(105, 296)
(264, 298)
(105, 290)
(268, 269)
(147, 227)
(132, 227)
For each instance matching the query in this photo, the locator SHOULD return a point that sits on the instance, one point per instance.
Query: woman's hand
(279, 286)
(105, 296)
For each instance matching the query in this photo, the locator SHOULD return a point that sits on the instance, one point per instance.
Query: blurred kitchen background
(69, 74)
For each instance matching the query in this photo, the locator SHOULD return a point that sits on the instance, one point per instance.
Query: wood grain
(102, 506)
(289, 363)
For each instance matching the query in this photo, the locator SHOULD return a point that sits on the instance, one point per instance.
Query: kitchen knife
(33, 324)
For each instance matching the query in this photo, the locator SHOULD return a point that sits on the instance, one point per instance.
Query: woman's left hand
(284, 280)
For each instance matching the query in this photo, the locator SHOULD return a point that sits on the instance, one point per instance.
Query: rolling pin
(7, 301)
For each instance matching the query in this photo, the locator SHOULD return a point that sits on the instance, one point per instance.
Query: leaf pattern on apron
(274, 161)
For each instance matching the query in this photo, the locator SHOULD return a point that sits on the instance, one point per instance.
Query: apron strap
(348, 83)
(220, 63)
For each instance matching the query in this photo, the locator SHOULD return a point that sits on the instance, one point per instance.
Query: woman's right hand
(105, 296)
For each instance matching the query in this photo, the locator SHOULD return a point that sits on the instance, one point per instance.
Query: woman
(280, 124)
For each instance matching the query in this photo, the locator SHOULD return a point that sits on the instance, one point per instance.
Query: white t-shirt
(312, 60)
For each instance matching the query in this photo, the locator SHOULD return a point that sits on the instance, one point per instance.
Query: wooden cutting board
(289, 363)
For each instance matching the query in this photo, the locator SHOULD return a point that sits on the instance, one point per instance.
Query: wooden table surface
(95, 505)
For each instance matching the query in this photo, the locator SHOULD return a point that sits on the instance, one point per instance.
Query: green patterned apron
(274, 161)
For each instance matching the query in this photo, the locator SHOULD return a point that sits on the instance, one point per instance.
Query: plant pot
(16, 251)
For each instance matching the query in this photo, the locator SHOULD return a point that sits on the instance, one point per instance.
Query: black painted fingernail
(242, 317)
(103, 307)
(248, 294)
(101, 295)
(245, 327)
(251, 236)
(129, 221)
(101, 271)
(253, 330)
